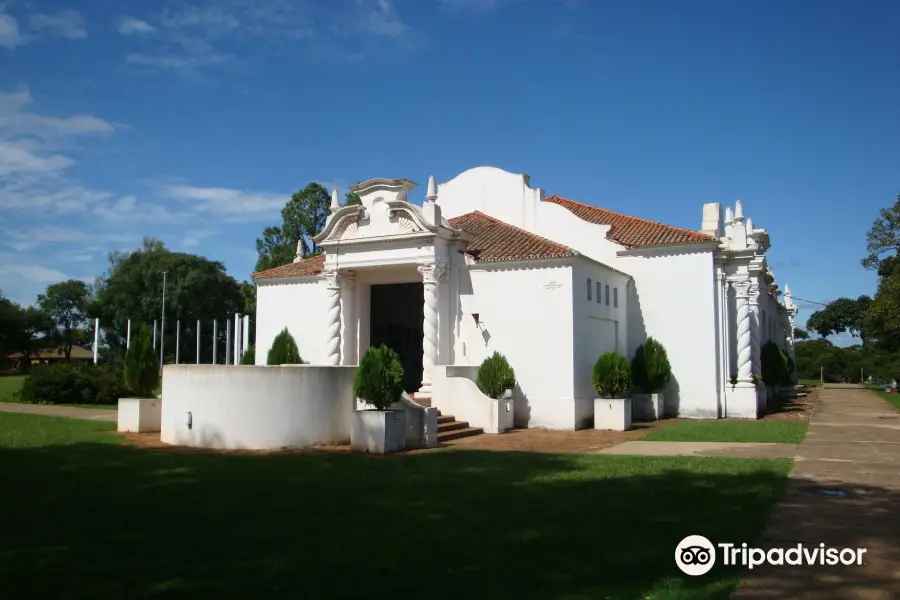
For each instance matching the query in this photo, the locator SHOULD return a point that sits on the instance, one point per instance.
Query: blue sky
(194, 121)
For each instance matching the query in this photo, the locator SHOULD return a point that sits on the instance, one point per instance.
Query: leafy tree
(351, 199)
(884, 236)
(284, 350)
(841, 315)
(882, 324)
(142, 364)
(67, 303)
(379, 378)
(22, 330)
(275, 248)
(495, 376)
(196, 288)
(800, 334)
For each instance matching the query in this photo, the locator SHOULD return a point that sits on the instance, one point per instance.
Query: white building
(489, 263)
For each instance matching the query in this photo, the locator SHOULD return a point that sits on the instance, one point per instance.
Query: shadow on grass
(91, 520)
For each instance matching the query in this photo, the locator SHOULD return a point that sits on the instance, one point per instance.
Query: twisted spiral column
(431, 276)
(333, 338)
(754, 327)
(744, 336)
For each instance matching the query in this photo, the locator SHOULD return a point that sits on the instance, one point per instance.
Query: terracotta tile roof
(303, 268)
(497, 241)
(632, 232)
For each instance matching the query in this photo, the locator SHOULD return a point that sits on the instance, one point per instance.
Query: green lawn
(9, 385)
(93, 519)
(893, 399)
(785, 432)
(810, 382)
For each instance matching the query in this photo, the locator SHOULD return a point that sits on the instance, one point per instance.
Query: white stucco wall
(527, 317)
(673, 298)
(598, 327)
(301, 306)
(262, 408)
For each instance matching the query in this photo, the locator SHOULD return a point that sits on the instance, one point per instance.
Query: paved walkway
(844, 492)
(726, 449)
(54, 410)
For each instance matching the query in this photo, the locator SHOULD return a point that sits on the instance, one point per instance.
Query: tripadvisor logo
(696, 555)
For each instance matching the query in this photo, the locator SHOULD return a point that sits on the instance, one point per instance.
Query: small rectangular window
(607, 294)
(616, 297)
(599, 295)
(589, 288)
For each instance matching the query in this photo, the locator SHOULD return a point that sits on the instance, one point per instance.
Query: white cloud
(132, 26)
(10, 34)
(228, 202)
(380, 18)
(470, 6)
(66, 23)
(127, 208)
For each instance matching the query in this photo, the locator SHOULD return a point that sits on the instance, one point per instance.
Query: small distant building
(46, 356)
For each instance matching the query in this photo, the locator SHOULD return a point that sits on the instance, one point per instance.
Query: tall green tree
(22, 329)
(840, 316)
(884, 236)
(67, 303)
(196, 288)
(303, 217)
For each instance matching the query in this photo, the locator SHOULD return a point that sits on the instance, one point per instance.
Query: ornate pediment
(380, 219)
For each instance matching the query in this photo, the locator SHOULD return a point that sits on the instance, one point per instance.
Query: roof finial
(335, 200)
(729, 216)
(298, 255)
(431, 194)
(738, 211)
(749, 226)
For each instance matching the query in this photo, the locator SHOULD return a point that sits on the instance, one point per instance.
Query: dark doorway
(395, 320)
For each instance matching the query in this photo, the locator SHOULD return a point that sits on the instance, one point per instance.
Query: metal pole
(177, 340)
(128, 336)
(198, 341)
(227, 341)
(162, 326)
(821, 374)
(96, 339)
(862, 379)
(237, 338)
(154, 333)
(245, 335)
(215, 345)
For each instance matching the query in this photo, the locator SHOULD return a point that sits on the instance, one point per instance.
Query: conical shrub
(379, 377)
(284, 350)
(650, 368)
(611, 374)
(249, 357)
(142, 364)
(495, 376)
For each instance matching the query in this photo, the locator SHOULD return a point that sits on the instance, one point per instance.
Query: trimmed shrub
(379, 378)
(142, 365)
(786, 380)
(650, 368)
(611, 375)
(249, 357)
(73, 383)
(284, 350)
(773, 363)
(495, 376)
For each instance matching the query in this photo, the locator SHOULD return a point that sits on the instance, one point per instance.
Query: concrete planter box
(613, 414)
(648, 407)
(139, 415)
(378, 431)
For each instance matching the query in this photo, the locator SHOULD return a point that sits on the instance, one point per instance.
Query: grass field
(893, 399)
(810, 382)
(93, 519)
(9, 385)
(784, 432)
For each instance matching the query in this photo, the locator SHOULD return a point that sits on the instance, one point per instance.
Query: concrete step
(445, 418)
(459, 433)
(452, 426)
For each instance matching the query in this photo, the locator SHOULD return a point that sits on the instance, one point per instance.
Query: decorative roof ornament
(335, 200)
(738, 211)
(431, 194)
(729, 216)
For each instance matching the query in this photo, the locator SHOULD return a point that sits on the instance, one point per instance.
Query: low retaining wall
(256, 407)
(455, 392)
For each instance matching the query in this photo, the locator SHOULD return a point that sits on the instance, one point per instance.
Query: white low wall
(421, 421)
(256, 407)
(456, 393)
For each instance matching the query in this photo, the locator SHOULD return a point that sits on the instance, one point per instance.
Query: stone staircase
(448, 428)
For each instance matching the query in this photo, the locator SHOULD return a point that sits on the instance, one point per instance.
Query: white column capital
(741, 288)
(332, 279)
(432, 272)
